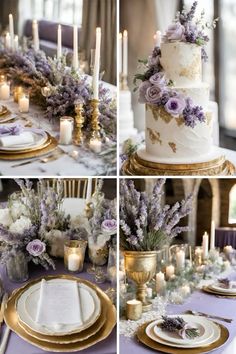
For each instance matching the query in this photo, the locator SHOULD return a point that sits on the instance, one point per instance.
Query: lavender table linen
(198, 301)
(19, 346)
(225, 236)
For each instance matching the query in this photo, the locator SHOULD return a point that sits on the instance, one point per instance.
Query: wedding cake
(126, 121)
(178, 120)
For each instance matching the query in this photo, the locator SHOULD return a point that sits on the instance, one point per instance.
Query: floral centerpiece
(155, 88)
(25, 223)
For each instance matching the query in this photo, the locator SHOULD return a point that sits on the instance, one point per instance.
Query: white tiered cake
(126, 121)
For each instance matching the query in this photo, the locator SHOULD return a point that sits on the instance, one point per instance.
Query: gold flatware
(198, 313)
(51, 157)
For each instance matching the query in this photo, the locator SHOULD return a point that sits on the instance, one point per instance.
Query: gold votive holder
(17, 92)
(134, 310)
(74, 252)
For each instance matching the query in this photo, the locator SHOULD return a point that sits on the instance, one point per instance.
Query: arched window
(232, 205)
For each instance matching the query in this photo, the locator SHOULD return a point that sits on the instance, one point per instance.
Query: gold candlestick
(78, 125)
(95, 118)
(124, 83)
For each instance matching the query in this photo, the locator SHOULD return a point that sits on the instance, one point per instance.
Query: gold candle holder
(95, 117)
(74, 251)
(18, 91)
(124, 82)
(78, 125)
(133, 310)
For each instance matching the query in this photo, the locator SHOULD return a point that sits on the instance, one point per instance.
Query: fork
(51, 157)
(198, 313)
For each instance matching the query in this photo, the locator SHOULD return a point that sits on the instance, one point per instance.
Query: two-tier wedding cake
(178, 120)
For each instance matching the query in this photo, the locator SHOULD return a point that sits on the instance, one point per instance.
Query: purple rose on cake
(153, 94)
(158, 80)
(175, 106)
(175, 31)
(36, 247)
(142, 91)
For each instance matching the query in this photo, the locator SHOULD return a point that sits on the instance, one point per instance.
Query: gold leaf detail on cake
(154, 136)
(179, 121)
(173, 147)
(192, 70)
(208, 116)
(159, 112)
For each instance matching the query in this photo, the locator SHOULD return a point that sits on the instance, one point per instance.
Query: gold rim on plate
(218, 292)
(49, 146)
(4, 112)
(28, 149)
(143, 338)
(139, 167)
(11, 319)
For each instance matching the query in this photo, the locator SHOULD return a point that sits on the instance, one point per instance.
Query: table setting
(57, 286)
(75, 112)
(174, 298)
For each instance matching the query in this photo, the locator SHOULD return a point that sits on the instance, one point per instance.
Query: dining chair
(72, 187)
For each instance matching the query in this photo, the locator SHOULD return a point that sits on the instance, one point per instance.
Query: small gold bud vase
(78, 125)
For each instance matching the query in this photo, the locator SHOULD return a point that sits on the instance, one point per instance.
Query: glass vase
(98, 255)
(17, 268)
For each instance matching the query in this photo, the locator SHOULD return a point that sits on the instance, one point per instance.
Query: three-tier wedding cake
(178, 120)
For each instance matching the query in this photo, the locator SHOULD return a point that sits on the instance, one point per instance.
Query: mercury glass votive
(74, 251)
(133, 310)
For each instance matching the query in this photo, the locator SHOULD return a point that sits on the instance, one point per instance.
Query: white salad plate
(27, 305)
(40, 137)
(217, 287)
(193, 343)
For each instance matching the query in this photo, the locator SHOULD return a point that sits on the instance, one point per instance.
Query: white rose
(78, 221)
(18, 209)
(56, 240)
(5, 217)
(20, 225)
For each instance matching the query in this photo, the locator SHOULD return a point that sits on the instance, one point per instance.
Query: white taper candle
(59, 50)
(11, 30)
(97, 64)
(75, 63)
(125, 53)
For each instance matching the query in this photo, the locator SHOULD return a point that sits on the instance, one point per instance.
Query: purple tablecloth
(225, 236)
(198, 301)
(16, 345)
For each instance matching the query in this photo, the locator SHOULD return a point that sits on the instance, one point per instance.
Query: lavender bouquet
(179, 326)
(28, 217)
(147, 225)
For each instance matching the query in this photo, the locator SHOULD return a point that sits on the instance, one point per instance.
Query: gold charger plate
(47, 147)
(4, 112)
(218, 293)
(143, 338)
(11, 319)
(139, 167)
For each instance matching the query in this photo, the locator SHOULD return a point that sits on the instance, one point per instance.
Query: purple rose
(175, 106)
(142, 91)
(109, 226)
(175, 31)
(36, 248)
(158, 79)
(153, 94)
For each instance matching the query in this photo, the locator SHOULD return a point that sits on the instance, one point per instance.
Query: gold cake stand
(136, 166)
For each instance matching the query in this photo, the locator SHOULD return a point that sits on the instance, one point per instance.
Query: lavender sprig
(178, 325)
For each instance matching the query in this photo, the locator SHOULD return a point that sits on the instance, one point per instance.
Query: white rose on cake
(18, 209)
(5, 217)
(18, 227)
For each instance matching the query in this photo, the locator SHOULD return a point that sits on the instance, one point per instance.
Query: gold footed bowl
(136, 166)
(141, 267)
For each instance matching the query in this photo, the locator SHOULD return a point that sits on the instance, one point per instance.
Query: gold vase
(141, 267)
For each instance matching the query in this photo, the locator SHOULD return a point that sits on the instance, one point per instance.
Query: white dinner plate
(40, 137)
(7, 117)
(217, 287)
(216, 335)
(205, 331)
(28, 302)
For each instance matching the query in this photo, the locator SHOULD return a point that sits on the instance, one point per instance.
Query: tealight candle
(170, 271)
(160, 282)
(4, 91)
(23, 102)
(95, 145)
(66, 130)
(180, 260)
(74, 251)
(228, 249)
(133, 310)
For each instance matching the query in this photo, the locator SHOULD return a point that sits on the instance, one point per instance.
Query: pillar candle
(97, 64)
(205, 245)
(125, 53)
(120, 53)
(133, 310)
(160, 282)
(4, 91)
(180, 260)
(11, 30)
(73, 262)
(23, 102)
(89, 190)
(170, 271)
(59, 50)
(75, 63)
(66, 129)
(35, 32)
(157, 39)
(212, 244)
(16, 43)
(7, 41)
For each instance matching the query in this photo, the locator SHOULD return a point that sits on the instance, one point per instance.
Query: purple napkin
(6, 130)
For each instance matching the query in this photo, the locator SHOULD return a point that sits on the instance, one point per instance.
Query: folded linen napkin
(25, 137)
(59, 304)
(10, 129)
